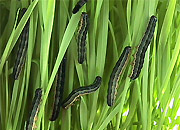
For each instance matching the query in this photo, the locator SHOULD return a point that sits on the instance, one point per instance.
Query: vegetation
(150, 102)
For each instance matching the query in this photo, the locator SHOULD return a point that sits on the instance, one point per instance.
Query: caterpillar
(72, 97)
(115, 75)
(82, 32)
(79, 4)
(35, 109)
(22, 50)
(142, 48)
(59, 90)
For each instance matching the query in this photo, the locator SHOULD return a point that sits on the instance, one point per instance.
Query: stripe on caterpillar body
(79, 4)
(72, 97)
(115, 75)
(35, 109)
(142, 48)
(22, 50)
(82, 32)
(59, 90)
